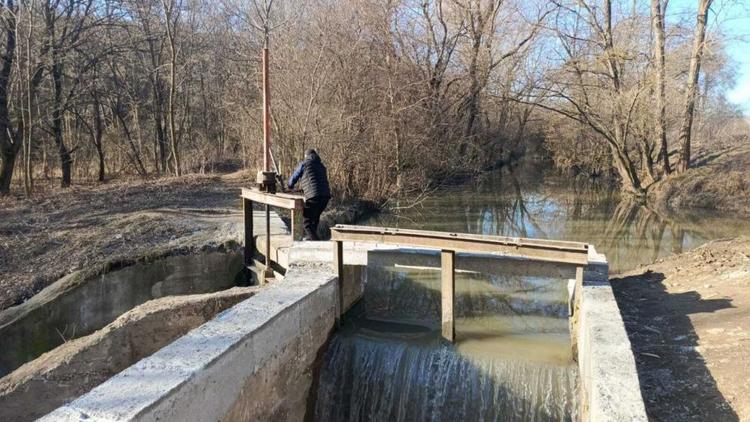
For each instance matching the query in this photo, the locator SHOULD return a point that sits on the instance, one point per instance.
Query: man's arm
(296, 175)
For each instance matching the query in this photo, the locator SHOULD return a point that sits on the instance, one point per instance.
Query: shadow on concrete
(675, 381)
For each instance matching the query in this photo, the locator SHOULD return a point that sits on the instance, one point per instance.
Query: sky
(734, 17)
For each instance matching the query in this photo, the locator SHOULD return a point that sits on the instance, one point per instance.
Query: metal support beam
(247, 210)
(447, 293)
(338, 268)
(266, 111)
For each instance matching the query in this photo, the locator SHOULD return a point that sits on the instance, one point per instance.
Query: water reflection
(524, 202)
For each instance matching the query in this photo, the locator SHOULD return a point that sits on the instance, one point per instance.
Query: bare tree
(10, 137)
(658, 10)
(691, 90)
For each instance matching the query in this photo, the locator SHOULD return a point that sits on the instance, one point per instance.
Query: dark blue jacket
(314, 177)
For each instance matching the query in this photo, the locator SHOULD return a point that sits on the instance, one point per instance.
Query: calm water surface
(526, 203)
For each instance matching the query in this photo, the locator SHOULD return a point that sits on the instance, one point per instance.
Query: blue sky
(734, 18)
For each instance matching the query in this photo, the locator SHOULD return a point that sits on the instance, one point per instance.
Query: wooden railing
(288, 201)
(566, 253)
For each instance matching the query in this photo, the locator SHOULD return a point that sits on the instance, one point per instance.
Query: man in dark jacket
(314, 183)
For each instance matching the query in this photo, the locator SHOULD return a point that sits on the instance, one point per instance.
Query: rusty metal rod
(266, 112)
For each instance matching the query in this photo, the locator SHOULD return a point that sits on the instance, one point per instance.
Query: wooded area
(395, 94)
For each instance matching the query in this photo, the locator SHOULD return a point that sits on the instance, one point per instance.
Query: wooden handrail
(561, 252)
(289, 201)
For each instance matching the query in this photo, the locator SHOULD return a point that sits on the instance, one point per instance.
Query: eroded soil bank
(688, 319)
(95, 229)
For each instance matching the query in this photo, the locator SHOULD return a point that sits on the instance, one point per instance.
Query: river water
(529, 202)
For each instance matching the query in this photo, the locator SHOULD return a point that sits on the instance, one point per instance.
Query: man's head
(311, 154)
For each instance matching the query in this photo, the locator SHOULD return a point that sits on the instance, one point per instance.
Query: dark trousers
(311, 216)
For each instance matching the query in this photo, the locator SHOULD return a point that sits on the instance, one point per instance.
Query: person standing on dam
(314, 183)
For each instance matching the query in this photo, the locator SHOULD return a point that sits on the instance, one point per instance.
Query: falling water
(512, 359)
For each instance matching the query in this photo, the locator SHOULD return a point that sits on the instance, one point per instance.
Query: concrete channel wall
(252, 362)
(608, 383)
(256, 361)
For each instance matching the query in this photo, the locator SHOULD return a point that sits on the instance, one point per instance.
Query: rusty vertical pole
(268, 272)
(266, 111)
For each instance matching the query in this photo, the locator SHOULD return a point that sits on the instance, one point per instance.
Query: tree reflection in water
(525, 202)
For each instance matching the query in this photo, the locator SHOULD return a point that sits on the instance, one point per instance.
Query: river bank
(718, 182)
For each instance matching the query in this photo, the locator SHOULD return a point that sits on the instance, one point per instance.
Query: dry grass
(719, 182)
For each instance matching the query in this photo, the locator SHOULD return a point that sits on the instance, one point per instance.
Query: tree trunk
(631, 183)
(172, 17)
(57, 123)
(647, 161)
(692, 84)
(9, 146)
(98, 130)
(657, 24)
(6, 171)
(136, 158)
(472, 102)
(627, 172)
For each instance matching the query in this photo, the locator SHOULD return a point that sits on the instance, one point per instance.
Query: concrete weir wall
(256, 361)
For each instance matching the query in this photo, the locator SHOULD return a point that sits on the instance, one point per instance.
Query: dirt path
(688, 319)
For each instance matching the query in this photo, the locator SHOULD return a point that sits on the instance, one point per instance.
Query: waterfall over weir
(512, 360)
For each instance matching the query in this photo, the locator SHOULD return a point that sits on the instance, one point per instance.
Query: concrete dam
(364, 331)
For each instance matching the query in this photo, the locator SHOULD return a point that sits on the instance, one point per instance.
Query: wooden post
(247, 209)
(447, 292)
(268, 271)
(295, 225)
(338, 268)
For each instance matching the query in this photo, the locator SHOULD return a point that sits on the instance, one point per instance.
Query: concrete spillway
(512, 360)
(279, 356)
(386, 376)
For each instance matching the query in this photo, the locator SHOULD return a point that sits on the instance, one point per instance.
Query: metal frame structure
(561, 252)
